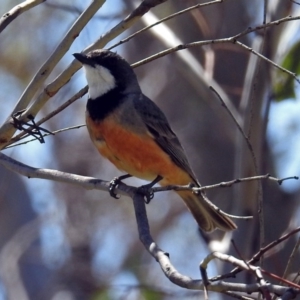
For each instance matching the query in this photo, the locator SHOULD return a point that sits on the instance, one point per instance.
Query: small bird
(133, 133)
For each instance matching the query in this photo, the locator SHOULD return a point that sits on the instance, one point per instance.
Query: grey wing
(158, 126)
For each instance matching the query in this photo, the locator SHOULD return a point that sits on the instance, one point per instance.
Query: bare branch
(47, 134)
(268, 60)
(281, 279)
(7, 130)
(58, 176)
(256, 257)
(78, 95)
(52, 88)
(291, 261)
(222, 184)
(143, 226)
(232, 39)
(160, 256)
(184, 281)
(164, 20)
(255, 165)
(98, 184)
(264, 286)
(11, 15)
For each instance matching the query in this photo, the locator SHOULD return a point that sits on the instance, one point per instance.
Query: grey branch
(16, 11)
(143, 227)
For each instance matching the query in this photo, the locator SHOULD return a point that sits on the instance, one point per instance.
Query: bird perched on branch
(133, 133)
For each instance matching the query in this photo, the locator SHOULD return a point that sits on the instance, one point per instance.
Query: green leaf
(284, 86)
(151, 294)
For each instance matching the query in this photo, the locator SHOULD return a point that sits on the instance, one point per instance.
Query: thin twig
(7, 130)
(255, 165)
(256, 272)
(256, 257)
(65, 76)
(58, 176)
(268, 60)
(281, 280)
(21, 135)
(291, 261)
(240, 130)
(184, 281)
(163, 20)
(207, 42)
(47, 134)
(143, 226)
(160, 256)
(232, 39)
(267, 25)
(222, 184)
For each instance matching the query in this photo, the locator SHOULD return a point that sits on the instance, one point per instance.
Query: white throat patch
(99, 79)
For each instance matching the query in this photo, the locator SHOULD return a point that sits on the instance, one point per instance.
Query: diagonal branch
(11, 15)
(7, 130)
(185, 281)
(143, 227)
(160, 256)
(74, 98)
(164, 20)
(55, 175)
(65, 76)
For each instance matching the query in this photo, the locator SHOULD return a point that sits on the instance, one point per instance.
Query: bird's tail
(207, 215)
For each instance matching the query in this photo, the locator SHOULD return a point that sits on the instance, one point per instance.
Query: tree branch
(142, 222)
(11, 15)
(256, 257)
(196, 284)
(164, 20)
(58, 176)
(98, 184)
(7, 130)
(222, 184)
(23, 134)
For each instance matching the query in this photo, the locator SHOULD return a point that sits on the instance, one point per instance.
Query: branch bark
(11, 15)
(143, 227)
(7, 130)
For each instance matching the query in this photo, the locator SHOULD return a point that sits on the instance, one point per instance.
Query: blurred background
(62, 242)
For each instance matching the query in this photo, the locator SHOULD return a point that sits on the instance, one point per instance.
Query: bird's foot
(114, 183)
(146, 190)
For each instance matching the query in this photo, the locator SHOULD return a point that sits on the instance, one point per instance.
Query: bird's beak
(82, 58)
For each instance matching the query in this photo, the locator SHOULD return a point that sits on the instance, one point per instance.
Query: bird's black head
(106, 70)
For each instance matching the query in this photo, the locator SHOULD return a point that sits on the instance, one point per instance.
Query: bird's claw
(112, 185)
(147, 193)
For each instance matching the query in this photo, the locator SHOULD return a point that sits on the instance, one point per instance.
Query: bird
(133, 133)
